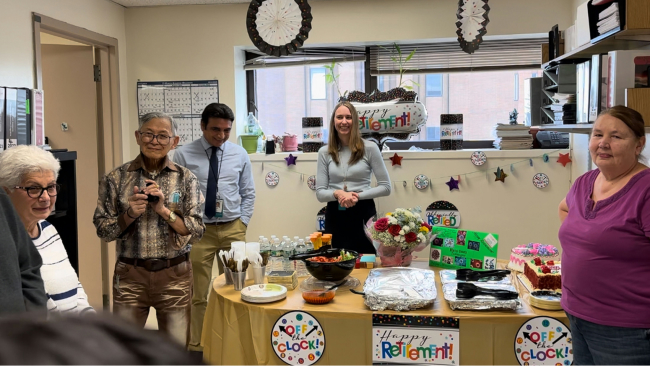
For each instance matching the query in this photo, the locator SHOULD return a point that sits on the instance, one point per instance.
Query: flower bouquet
(397, 235)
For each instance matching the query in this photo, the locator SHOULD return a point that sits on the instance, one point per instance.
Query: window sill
(421, 155)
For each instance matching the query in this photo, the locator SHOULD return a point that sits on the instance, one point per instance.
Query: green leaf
(410, 55)
(408, 87)
(399, 51)
(329, 78)
(394, 59)
(413, 81)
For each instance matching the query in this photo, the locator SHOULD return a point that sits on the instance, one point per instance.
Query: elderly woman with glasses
(28, 175)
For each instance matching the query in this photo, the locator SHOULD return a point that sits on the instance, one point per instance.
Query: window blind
(446, 57)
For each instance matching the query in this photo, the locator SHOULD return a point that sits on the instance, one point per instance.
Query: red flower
(538, 261)
(545, 269)
(550, 263)
(394, 230)
(382, 224)
(411, 237)
(426, 225)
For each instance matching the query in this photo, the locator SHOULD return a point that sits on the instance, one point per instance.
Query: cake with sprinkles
(543, 275)
(524, 253)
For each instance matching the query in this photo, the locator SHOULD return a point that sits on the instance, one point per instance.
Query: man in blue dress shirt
(226, 179)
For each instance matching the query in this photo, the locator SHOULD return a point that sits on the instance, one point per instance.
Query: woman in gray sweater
(345, 167)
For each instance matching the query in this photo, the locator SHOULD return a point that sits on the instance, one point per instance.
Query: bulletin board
(183, 100)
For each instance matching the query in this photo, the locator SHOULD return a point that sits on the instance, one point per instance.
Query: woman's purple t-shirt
(606, 253)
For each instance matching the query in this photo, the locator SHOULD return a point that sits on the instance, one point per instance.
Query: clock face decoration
(472, 19)
(278, 27)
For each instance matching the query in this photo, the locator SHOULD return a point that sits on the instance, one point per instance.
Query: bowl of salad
(331, 264)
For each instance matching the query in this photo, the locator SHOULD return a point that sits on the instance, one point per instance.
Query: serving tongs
(469, 290)
(328, 252)
(466, 274)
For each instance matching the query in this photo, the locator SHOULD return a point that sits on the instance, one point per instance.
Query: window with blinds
(448, 57)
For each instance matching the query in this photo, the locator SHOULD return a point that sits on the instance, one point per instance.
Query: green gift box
(456, 248)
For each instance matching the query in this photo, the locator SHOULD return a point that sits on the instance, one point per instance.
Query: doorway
(78, 71)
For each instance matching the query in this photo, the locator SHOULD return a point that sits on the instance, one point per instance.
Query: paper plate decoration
(311, 182)
(272, 179)
(278, 27)
(540, 180)
(442, 213)
(421, 181)
(537, 336)
(472, 19)
(298, 338)
(393, 115)
(478, 158)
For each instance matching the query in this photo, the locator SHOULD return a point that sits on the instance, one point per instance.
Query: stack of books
(512, 137)
(608, 19)
(563, 108)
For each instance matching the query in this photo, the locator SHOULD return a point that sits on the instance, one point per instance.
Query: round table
(237, 332)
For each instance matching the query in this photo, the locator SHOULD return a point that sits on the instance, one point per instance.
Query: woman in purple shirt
(605, 237)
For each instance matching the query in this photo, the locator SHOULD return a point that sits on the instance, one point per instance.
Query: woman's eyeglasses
(37, 192)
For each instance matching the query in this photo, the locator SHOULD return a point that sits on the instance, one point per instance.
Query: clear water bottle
(276, 255)
(308, 244)
(287, 251)
(301, 270)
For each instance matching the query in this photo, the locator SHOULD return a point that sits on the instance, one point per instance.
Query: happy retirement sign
(403, 339)
(544, 341)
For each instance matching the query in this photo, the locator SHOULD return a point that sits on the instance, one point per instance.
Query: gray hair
(149, 116)
(18, 161)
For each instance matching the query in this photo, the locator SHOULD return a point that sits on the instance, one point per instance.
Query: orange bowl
(318, 297)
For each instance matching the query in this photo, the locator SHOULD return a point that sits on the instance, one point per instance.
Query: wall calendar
(183, 100)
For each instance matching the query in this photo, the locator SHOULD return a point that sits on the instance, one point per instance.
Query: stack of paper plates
(549, 300)
(263, 293)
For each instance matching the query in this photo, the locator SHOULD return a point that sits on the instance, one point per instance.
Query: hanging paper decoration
(291, 160)
(500, 175)
(311, 182)
(278, 27)
(421, 181)
(453, 184)
(531, 162)
(472, 19)
(545, 158)
(512, 168)
(478, 158)
(396, 159)
(540, 180)
(564, 159)
(272, 179)
(442, 213)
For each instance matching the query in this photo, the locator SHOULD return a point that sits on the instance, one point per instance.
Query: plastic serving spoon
(332, 288)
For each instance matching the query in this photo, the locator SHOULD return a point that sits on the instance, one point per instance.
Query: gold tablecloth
(236, 332)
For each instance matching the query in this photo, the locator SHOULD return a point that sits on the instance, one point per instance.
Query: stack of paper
(563, 108)
(512, 137)
(608, 19)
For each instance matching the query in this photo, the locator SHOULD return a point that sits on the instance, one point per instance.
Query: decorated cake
(524, 253)
(543, 275)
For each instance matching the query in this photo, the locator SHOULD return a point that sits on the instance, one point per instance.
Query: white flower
(412, 225)
(401, 232)
(392, 220)
(421, 237)
(406, 229)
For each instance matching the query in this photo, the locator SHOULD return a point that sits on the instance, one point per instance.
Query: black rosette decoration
(393, 115)
(472, 19)
(278, 27)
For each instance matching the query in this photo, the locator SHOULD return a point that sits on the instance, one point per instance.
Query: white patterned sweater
(64, 291)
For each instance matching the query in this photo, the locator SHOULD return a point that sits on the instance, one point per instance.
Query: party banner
(298, 338)
(544, 341)
(408, 339)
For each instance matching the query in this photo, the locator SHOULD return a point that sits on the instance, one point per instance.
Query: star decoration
(291, 159)
(396, 159)
(500, 175)
(453, 183)
(564, 159)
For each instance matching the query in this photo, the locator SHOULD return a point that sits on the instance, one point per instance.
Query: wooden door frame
(109, 111)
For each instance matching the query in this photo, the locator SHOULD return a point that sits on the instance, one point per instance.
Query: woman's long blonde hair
(357, 148)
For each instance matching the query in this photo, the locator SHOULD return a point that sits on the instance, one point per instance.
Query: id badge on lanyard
(218, 210)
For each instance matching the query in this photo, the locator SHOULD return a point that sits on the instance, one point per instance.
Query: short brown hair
(631, 118)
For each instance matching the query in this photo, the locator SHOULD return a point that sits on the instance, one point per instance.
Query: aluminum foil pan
(481, 302)
(400, 288)
(449, 275)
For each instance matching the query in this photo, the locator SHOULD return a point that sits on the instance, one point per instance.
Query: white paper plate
(268, 292)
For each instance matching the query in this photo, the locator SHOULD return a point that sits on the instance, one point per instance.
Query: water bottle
(276, 255)
(301, 270)
(287, 251)
(265, 249)
(308, 244)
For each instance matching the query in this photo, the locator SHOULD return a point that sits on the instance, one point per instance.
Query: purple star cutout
(291, 159)
(453, 184)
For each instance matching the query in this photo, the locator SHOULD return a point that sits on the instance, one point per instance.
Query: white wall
(17, 46)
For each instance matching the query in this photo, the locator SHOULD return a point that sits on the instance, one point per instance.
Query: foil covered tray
(449, 276)
(400, 288)
(480, 302)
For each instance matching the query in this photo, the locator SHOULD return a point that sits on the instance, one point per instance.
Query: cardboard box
(456, 248)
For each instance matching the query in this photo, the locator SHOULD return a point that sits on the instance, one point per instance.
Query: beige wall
(574, 9)
(16, 38)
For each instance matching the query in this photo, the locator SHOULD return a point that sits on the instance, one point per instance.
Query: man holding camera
(152, 208)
